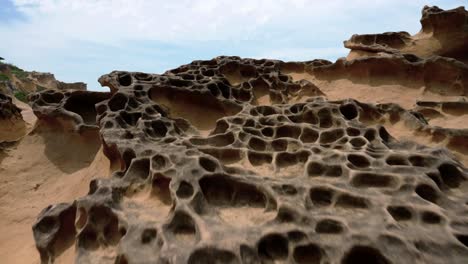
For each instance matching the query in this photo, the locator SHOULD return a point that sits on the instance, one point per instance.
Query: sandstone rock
(8, 110)
(443, 32)
(12, 125)
(236, 160)
(224, 159)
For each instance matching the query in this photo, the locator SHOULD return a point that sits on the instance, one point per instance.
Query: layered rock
(12, 125)
(236, 160)
(443, 33)
(16, 80)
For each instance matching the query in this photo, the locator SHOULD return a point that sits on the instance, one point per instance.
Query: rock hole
(359, 161)
(329, 226)
(84, 105)
(309, 254)
(160, 188)
(130, 118)
(350, 201)
(327, 137)
(202, 110)
(366, 180)
(159, 162)
(128, 156)
(258, 159)
(358, 142)
(450, 174)
(288, 131)
(395, 160)
(208, 164)
(400, 213)
(296, 236)
(429, 217)
(248, 255)
(148, 235)
(364, 254)
(138, 169)
(309, 135)
(353, 132)
(125, 79)
(349, 111)
(321, 196)
(159, 128)
(52, 98)
(427, 193)
(325, 118)
(183, 227)
(267, 131)
(463, 239)
(279, 144)
(185, 190)
(315, 169)
(211, 255)
(257, 144)
(273, 247)
(222, 190)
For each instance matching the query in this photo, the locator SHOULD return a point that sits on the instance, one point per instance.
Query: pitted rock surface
(233, 160)
(8, 110)
(72, 110)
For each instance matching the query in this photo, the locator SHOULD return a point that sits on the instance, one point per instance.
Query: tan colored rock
(235, 160)
(443, 33)
(224, 159)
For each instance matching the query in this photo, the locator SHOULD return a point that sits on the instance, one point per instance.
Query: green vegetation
(40, 88)
(18, 72)
(22, 96)
(4, 77)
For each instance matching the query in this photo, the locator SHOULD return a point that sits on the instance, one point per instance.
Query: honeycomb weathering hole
(201, 110)
(212, 255)
(237, 203)
(183, 228)
(84, 105)
(310, 254)
(273, 247)
(364, 254)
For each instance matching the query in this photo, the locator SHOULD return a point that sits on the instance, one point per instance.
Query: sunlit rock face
(235, 160)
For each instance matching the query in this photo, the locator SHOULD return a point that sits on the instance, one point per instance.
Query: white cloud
(184, 20)
(54, 33)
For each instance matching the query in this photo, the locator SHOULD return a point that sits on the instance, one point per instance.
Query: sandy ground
(339, 89)
(39, 171)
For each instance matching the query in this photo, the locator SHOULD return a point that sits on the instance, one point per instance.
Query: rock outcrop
(14, 80)
(235, 160)
(12, 125)
(443, 33)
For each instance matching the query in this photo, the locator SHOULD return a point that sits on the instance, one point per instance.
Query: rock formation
(235, 160)
(443, 33)
(14, 79)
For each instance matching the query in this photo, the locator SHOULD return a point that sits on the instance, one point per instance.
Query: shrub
(40, 88)
(22, 96)
(3, 77)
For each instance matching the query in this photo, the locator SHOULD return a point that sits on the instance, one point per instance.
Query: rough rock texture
(444, 33)
(236, 160)
(8, 110)
(73, 110)
(14, 79)
(12, 125)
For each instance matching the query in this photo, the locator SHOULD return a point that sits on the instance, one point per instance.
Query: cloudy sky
(81, 40)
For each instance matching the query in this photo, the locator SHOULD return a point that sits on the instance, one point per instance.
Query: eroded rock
(236, 160)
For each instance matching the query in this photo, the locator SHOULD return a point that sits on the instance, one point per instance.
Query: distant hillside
(18, 82)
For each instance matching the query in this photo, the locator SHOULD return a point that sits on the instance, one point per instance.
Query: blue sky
(81, 40)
